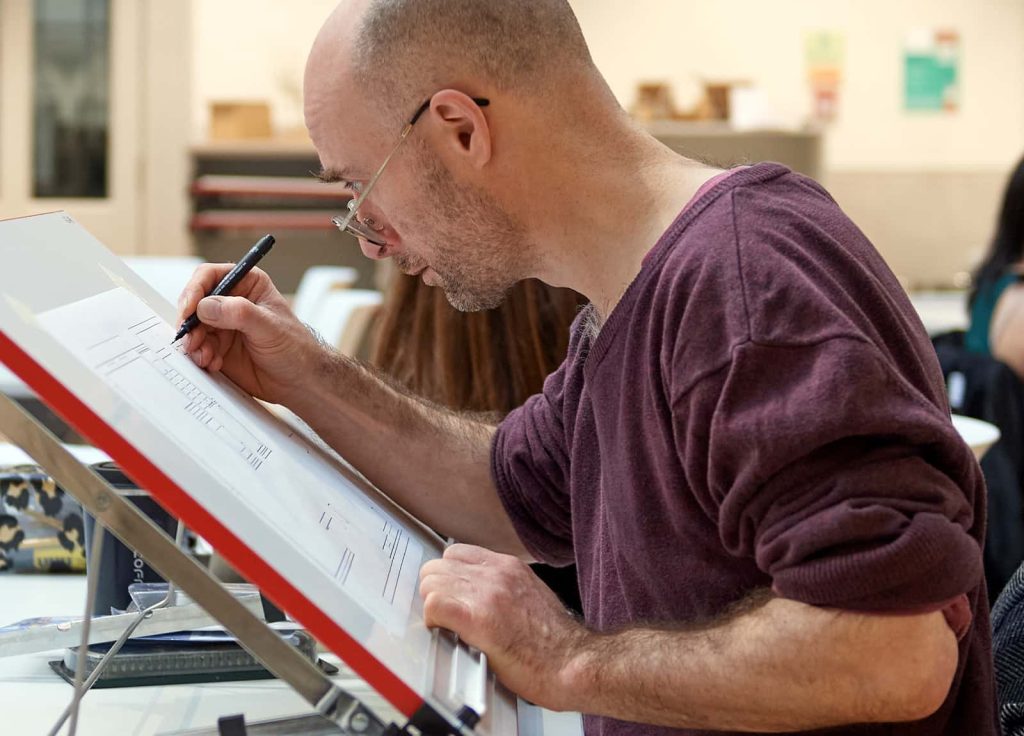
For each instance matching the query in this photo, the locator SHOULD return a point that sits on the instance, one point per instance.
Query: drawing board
(94, 341)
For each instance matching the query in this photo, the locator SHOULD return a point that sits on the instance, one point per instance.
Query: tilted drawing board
(94, 341)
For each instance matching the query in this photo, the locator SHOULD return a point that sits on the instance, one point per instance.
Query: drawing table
(283, 509)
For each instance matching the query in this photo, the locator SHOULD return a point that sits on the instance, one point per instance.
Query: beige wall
(253, 49)
(165, 131)
(929, 225)
(683, 41)
(922, 186)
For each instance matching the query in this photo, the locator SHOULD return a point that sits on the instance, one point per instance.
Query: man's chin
(465, 301)
(430, 277)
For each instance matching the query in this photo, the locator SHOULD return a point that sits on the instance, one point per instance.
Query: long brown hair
(489, 361)
(478, 361)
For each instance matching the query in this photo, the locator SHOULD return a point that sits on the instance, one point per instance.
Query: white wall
(248, 49)
(164, 133)
(682, 41)
(253, 50)
(924, 187)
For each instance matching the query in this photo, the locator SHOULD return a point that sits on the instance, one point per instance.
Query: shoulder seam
(704, 375)
(739, 265)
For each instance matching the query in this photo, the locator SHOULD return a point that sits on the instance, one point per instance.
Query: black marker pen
(230, 281)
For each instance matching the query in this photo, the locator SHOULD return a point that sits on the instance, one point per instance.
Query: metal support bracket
(133, 528)
(337, 711)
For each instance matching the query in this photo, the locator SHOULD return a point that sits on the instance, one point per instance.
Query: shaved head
(515, 102)
(406, 49)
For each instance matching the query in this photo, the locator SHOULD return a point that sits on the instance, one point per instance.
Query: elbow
(919, 672)
(926, 693)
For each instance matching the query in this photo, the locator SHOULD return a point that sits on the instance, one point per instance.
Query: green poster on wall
(932, 71)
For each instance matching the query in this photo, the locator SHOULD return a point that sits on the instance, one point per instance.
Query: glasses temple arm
(353, 206)
(373, 179)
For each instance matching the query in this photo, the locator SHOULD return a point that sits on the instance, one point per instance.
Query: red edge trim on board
(179, 503)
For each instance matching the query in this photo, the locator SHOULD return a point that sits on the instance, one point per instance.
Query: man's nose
(370, 250)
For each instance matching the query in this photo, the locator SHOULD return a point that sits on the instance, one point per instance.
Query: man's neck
(596, 224)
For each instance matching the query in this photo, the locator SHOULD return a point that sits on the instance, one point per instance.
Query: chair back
(316, 283)
(342, 317)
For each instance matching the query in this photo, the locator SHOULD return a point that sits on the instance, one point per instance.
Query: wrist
(578, 680)
(316, 362)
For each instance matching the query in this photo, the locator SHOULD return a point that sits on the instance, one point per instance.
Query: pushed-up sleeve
(846, 485)
(530, 467)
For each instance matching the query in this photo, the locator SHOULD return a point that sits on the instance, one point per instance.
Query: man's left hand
(495, 603)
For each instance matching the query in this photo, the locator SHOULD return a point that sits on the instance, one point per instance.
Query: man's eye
(353, 185)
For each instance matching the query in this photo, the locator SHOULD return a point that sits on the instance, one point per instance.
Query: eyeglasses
(348, 223)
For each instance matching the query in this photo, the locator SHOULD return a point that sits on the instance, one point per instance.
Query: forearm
(784, 666)
(433, 462)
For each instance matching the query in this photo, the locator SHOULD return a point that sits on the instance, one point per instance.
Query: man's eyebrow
(333, 176)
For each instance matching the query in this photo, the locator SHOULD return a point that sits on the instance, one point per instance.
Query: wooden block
(231, 121)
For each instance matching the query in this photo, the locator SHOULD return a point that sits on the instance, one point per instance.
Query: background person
(487, 362)
(997, 298)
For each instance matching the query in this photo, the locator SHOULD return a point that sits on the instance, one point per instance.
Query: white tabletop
(978, 435)
(32, 696)
(13, 386)
(941, 311)
(11, 456)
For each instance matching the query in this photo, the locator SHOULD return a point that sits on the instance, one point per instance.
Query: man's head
(454, 203)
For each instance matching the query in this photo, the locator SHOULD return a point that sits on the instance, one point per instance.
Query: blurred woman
(488, 362)
(997, 300)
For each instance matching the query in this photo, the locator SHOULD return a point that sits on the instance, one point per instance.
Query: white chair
(342, 317)
(317, 282)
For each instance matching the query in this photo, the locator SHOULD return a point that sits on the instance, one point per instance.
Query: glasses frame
(348, 223)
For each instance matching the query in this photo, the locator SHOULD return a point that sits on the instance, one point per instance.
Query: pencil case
(41, 526)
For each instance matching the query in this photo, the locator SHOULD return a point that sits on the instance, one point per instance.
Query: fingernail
(182, 300)
(209, 309)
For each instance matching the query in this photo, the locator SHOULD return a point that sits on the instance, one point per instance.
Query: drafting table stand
(339, 712)
(439, 684)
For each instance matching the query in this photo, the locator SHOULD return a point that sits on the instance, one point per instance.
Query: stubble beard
(480, 250)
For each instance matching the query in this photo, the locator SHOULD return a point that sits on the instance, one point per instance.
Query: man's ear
(461, 131)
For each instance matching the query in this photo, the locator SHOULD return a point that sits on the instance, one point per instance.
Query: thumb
(210, 311)
(234, 313)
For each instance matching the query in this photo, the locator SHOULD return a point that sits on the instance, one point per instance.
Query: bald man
(747, 451)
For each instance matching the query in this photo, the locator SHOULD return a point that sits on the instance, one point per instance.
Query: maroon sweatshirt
(762, 409)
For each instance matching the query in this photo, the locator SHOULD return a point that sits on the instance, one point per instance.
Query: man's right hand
(252, 336)
(259, 343)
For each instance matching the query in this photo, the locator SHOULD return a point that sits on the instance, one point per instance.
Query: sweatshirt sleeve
(847, 487)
